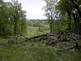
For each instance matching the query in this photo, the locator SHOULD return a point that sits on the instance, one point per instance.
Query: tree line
(69, 10)
(12, 18)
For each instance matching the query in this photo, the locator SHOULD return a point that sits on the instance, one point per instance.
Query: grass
(36, 51)
(29, 53)
(34, 31)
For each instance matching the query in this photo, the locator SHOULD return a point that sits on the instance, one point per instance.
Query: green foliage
(64, 6)
(50, 12)
(60, 26)
(71, 8)
(12, 19)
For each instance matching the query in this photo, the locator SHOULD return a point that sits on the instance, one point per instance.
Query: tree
(50, 12)
(12, 18)
(65, 7)
(71, 8)
(19, 17)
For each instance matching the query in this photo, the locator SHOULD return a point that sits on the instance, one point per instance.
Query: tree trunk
(51, 24)
(69, 23)
(76, 24)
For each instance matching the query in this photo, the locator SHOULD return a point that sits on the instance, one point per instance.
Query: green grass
(36, 51)
(34, 31)
(26, 54)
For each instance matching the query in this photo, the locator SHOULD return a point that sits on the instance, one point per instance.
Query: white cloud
(33, 8)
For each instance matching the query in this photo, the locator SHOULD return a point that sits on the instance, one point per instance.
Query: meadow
(36, 51)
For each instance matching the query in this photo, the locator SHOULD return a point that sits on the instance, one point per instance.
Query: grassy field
(27, 54)
(34, 31)
(36, 52)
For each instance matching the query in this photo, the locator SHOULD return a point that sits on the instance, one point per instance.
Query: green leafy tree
(12, 18)
(72, 9)
(50, 12)
(19, 18)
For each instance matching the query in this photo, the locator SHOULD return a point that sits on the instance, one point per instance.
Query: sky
(33, 8)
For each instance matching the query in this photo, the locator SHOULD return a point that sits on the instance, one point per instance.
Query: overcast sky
(33, 8)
